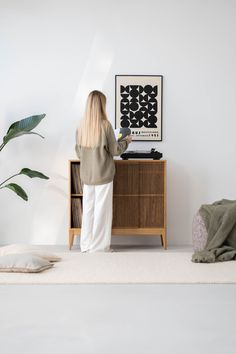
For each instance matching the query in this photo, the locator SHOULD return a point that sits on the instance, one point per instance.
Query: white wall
(54, 52)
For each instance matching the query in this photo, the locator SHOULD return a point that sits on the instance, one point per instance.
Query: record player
(141, 154)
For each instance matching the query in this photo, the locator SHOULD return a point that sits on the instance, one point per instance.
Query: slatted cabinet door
(139, 198)
(152, 194)
(126, 196)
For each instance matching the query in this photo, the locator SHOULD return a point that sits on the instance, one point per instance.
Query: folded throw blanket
(220, 221)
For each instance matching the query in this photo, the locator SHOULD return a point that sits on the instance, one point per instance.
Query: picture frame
(138, 105)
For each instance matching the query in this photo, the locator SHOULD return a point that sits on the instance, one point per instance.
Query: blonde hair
(89, 130)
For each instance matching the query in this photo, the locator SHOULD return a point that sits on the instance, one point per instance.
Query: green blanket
(220, 222)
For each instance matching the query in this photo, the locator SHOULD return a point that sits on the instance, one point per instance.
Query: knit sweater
(96, 164)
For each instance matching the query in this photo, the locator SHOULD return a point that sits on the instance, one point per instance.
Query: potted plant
(17, 129)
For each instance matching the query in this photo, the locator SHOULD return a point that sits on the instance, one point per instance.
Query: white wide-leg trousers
(97, 217)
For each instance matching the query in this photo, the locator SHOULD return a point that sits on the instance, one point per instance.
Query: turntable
(141, 154)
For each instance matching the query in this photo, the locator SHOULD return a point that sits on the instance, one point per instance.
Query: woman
(95, 147)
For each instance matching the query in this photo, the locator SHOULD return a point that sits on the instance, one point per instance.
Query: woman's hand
(128, 138)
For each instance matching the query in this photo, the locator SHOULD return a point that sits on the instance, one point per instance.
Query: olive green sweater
(96, 164)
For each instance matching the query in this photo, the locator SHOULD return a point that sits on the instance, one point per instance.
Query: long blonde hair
(89, 130)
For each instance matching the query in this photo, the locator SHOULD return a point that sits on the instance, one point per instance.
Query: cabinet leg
(71, 239)
(164, 240)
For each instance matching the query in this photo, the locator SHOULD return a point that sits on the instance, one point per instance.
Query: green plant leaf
(23, 126)
(17, 189)
(31, 173)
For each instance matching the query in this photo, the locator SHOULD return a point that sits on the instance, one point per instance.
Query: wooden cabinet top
(131, 160)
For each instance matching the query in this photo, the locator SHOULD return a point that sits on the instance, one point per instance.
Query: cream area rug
(125, 267)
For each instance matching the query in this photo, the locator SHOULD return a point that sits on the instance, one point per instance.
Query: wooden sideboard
(139, 199)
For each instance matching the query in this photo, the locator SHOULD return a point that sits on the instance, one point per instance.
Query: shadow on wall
(178, 203)
(186, 192)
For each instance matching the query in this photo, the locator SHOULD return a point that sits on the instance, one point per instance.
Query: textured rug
(160, 266)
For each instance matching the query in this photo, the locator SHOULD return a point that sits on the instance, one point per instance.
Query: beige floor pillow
(23, 263)
(18, 248)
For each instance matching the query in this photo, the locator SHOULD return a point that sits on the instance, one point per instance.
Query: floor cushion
(17, 248)
(23, 263)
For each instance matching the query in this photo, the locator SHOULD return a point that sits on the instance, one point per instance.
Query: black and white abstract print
(139, 106)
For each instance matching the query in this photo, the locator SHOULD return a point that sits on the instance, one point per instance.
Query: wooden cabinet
(139, 199)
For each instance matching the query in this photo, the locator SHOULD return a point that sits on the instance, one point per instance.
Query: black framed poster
(138, 105)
